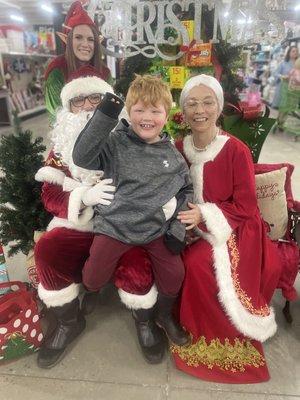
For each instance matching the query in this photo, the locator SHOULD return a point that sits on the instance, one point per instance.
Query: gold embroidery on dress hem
(228, 357)
(244, 299)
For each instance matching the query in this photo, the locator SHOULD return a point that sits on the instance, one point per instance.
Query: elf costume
(57, 73)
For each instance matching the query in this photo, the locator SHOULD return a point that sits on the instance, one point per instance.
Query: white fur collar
(199, 157)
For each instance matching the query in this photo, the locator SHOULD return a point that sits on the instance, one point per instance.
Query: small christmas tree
(16, 347)
(21, 210)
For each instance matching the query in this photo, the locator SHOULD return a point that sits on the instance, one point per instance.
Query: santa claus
(69, 194)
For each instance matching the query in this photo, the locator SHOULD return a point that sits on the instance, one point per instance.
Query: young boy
(152, 182)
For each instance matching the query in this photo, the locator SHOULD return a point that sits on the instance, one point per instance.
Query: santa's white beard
(63, 136)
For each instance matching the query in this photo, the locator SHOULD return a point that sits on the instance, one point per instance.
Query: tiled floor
(105, 362)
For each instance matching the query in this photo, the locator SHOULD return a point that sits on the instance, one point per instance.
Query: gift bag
(30, 262)
(252, 132)
(20, 328)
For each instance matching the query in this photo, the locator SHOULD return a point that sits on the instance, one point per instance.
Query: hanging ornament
(19, 65)
(276, 5)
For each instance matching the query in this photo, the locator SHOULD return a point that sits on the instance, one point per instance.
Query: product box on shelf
(14, 36)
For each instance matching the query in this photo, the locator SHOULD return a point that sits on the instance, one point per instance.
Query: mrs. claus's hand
(190, 218)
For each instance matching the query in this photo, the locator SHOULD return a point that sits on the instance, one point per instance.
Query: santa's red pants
(61, 253)
(168, 268)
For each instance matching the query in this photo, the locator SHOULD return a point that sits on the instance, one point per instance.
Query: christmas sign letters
(145, 26)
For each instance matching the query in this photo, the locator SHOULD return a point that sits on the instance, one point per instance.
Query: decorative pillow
(272, 203)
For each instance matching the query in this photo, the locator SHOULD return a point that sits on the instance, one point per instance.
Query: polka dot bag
(20, 328)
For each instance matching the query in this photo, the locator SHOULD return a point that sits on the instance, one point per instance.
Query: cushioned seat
(282, 215)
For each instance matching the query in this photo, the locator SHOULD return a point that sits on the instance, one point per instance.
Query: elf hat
(84, 81)
(76, 16)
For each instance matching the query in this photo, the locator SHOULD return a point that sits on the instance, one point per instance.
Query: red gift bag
(20, 328)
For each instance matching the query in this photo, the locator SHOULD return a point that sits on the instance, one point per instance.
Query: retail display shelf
(14, 53)
(260, 51)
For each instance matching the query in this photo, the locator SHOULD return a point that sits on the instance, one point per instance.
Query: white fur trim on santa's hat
(83, 87)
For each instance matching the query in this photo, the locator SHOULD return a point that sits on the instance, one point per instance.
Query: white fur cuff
(64, 223)
(76, 214)
(216, 223)
(70, 184)
(50, 175)
(57, 298)
(135, 301)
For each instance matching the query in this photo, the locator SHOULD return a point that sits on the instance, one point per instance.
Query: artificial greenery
(21, 210)
(229, 57)
(138, 64)
(176, 126)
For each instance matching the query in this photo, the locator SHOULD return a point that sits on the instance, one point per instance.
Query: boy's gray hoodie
(146, 177)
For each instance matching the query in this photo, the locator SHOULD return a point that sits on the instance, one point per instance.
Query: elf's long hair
(96, 60)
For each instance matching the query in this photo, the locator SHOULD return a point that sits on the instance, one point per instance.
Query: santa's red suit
(61, 252)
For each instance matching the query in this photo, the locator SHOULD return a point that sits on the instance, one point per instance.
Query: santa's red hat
(84, 81)
(76, 16)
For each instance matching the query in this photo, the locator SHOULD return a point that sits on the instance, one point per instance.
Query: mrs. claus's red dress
(231, 271)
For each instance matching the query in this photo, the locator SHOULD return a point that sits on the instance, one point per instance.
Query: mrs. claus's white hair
(205, 80)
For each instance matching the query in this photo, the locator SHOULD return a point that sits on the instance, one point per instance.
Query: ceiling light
(18, 18)
(47, 8)
(10, 4)
(226, 14)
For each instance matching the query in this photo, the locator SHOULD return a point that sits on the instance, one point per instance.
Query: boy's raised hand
(111, 105)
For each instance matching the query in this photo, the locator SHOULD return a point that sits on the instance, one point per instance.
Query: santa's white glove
(169, 208)
(99, 194)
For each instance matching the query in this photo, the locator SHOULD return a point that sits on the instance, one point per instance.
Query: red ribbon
(247, 113)
(185, 48)
(217, 66)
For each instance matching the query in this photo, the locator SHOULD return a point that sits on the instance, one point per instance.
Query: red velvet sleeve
(55, 200)
(243, 204)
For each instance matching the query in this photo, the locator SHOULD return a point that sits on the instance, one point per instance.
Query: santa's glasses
(94, 98)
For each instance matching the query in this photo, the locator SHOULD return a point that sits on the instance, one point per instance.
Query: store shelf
(31, 111)
(260, 51)
(289, 40)
(14, 53)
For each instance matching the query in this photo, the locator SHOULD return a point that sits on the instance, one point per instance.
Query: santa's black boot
(149, 335)
(70, 323)
(89, 302)
(165, 320)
